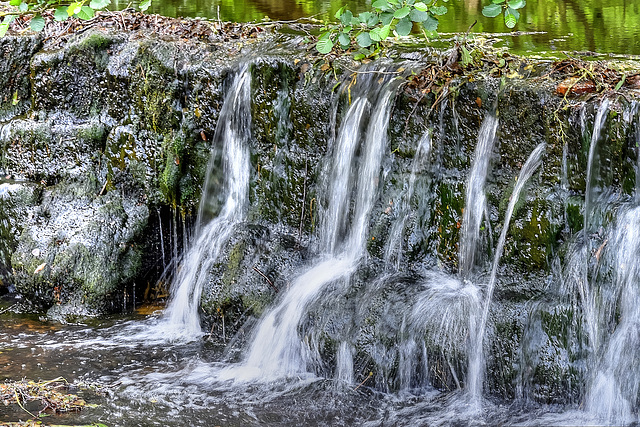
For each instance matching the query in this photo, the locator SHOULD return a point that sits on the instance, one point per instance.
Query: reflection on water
(606, 26)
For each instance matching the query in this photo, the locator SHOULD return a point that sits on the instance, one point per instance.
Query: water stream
(277, 349)
(476, 359)
(231, 154)
(357, 338)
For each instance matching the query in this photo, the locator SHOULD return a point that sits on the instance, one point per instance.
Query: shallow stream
(149, 382)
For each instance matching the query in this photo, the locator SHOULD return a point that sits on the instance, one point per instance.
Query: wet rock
(78, 248)
(15, 86)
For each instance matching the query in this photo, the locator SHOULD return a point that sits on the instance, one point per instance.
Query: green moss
(96, 41)
(575, 219)
(234, 262)
(534, 235)
(154, 91)
(447, 213)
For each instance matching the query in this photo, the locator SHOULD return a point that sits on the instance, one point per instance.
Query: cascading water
(614, 392)
(277, 349)
(476, 359)
(475, 199)
(231, 150)
(612, 396)
(580, 270)
(393, 252)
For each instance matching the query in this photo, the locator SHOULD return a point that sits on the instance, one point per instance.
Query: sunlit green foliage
(508, 7)
(367, 30)
(386, 18)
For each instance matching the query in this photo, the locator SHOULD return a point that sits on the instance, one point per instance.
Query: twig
(20, 403)
(372, 71)
(8, 308)
(103, 187)
(266, 278)
(364, 381)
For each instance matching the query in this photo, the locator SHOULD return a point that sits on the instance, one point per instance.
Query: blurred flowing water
(429, 349)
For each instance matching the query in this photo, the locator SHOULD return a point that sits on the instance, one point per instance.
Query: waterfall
(277, 349)
(393, 251)
(613, 392)
(595, 138)
(476, 359)
(475, 199)
(578, 268)
(230, 140)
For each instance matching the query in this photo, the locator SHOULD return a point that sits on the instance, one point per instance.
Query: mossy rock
(88, 250)
(15, 85)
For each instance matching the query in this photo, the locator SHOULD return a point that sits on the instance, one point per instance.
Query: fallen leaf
(40, 268)
(575, 86)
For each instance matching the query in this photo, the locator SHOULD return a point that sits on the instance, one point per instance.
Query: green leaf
(418, 16)
(431, 34)
(346, 17)
(15, 2)
(621, 82)
(497, 1)
(430, 24)
(23, 7)
(402, 12)
(371, 19)
(382, 5)
(3, 29)
(364, 39)
(325, 44)
(386, 18)
(379, 34)
(510, 19)
(15, 99)
(516, 4)
(99, 4)
(385, 31)
(492, 10)
(74, 8)
(438, 10)
(359, 56)
(466, 56)
(86, 13)
(144, 5)
(421, 6)
(37, 23)
(403, 28)
(375, 34)
(394, 2)
(60, 14)
(339, 12)
(344, 40)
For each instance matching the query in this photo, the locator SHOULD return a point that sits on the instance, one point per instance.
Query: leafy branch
(510, 8)
(387, 17)
(63, 10)
(368, 31)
